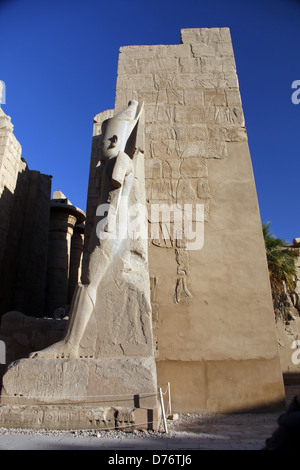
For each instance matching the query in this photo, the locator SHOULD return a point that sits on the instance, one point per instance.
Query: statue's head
(117, 130)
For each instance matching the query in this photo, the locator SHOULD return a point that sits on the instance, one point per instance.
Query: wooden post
(169, 393)
(163, 411)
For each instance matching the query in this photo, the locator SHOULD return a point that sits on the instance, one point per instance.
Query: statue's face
(110, 146)
(115, 135)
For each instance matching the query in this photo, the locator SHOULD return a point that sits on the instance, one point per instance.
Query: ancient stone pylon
(214, 324)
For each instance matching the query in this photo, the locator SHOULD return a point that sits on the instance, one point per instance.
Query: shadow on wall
(57, 274)
(24, 242)
(23, 334)
(6, 278)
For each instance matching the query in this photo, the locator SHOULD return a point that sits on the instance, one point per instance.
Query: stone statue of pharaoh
(116, 170)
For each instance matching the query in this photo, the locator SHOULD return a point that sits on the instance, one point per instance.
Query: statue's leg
(81, 310)
(83, 303)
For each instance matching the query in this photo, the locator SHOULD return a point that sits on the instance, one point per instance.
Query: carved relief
(99, 418)
(124, 419)
(57, 417)
(182, 289)
(182, 292)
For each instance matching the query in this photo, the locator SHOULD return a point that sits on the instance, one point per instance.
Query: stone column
(63, 217)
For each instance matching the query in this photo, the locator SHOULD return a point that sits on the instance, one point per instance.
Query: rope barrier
(120, 427)
(30, 397)
(159, 394)
(80, 396)
(81, 404)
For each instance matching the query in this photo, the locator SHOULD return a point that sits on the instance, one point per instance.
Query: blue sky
(59, 64)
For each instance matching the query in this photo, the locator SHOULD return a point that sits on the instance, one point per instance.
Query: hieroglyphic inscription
(182, 289)
(192, 109)
(58, 417)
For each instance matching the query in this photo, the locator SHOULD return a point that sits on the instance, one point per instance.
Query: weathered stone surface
(23, 334)
(88, 393)
(64, 217)
(213, 319)
(78, 417)
(106, 355)
(196, 151)
(113, 381)
(24, 215)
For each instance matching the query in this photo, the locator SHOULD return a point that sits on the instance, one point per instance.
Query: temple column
(63, 217)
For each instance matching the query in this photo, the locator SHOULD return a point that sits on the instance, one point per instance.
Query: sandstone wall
(10, 163)
(212, 308)
(24, 212)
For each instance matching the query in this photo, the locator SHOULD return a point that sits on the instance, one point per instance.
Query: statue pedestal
(106, 393)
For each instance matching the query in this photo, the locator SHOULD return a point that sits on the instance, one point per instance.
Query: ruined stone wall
(212, 308)
(10, 165)
(24, 211)
(29, 294)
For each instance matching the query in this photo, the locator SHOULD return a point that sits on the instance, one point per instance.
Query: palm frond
(281, 265)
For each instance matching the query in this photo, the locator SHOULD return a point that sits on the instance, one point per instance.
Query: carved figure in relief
(116, 170)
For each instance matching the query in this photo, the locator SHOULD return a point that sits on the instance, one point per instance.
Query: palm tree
(282, 270)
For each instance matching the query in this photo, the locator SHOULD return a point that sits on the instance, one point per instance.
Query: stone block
(117, 381)
(233, 97)
(194, 96)
(193, 167)
(83, 416)
(171, 169)
(189, 65)
(161, 63)
(226, 132)
(191, 114)
(196, 132)
(95, 394)
(153, 168)
(136, 81)
(215, 98)
(164, 149)
(203, 50)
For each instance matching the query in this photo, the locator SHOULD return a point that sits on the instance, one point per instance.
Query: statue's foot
(60, 350)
